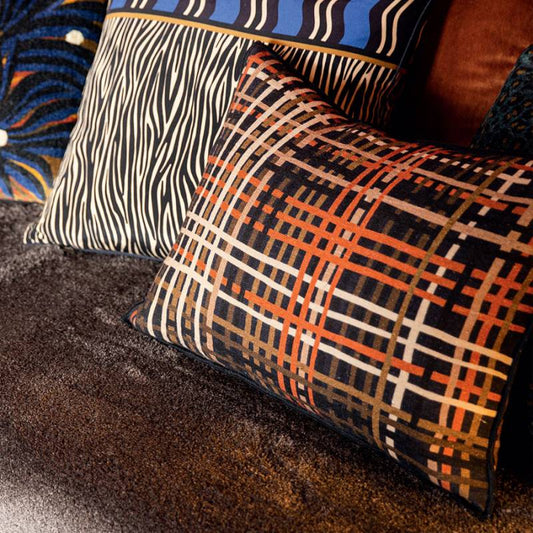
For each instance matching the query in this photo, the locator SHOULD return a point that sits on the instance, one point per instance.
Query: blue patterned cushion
(46, 49)
(508, 126)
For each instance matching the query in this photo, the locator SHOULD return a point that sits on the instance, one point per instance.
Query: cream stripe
(329, 19)
(263, 15)
(365, 304)
(434, 332)
(399, 13)
(336, 353)
(493, 195)
(317, 19)
(384, 17)
(410, 347)
(253, 8)
(454, 341)
(200, 8)
(431, 216)
(327, 348)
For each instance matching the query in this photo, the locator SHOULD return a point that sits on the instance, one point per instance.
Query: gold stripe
(252, 36)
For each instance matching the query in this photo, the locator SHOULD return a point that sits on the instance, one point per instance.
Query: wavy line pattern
(382, 29)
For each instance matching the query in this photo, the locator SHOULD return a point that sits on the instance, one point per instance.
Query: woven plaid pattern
(383, 286)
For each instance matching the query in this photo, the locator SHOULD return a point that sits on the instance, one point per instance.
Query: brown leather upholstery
(466, 53)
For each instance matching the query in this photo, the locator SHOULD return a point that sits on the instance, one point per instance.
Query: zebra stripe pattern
(362, 90)
(142, 137)
(153, 105)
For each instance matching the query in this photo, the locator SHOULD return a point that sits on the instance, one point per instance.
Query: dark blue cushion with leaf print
(46, 49)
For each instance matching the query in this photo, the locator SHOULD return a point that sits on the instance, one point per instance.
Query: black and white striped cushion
(158, 92)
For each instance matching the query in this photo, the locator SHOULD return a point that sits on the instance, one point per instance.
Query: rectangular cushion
(162, 83)
(384, 287)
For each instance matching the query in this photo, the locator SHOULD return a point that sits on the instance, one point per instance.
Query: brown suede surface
(466, 54)
(102, 429)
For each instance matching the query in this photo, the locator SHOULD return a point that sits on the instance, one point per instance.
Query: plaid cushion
(383, 286)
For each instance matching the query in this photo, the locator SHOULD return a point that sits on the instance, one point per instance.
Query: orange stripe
(481, 340)
(444, 379)
(353, 267)
(340, 340)
(18, 77)
(200, 266)
(510, 284)
(325, 221)
(487, 202)
(367, 252)
(418, 253)
(471, 291)
(465, 311)
(361, 227)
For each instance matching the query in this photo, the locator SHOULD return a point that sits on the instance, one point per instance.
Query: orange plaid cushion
(383, 286)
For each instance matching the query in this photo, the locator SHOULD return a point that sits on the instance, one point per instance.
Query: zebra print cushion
(384, 287)
(46, 48)
(162, 81)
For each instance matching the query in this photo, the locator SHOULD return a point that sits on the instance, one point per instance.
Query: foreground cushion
(161, 85)
(46, 49)
(381, 286)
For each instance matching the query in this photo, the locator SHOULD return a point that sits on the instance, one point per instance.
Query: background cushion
(46, 49)
(508, 126)
(375, 38)
(380, 286)
(460, 71)
(161, 84)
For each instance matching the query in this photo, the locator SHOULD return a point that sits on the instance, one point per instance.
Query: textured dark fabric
(508, 126)
(384, 287)
(46, 49)
(105, 430)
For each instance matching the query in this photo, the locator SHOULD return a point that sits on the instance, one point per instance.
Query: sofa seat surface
(102, 429)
